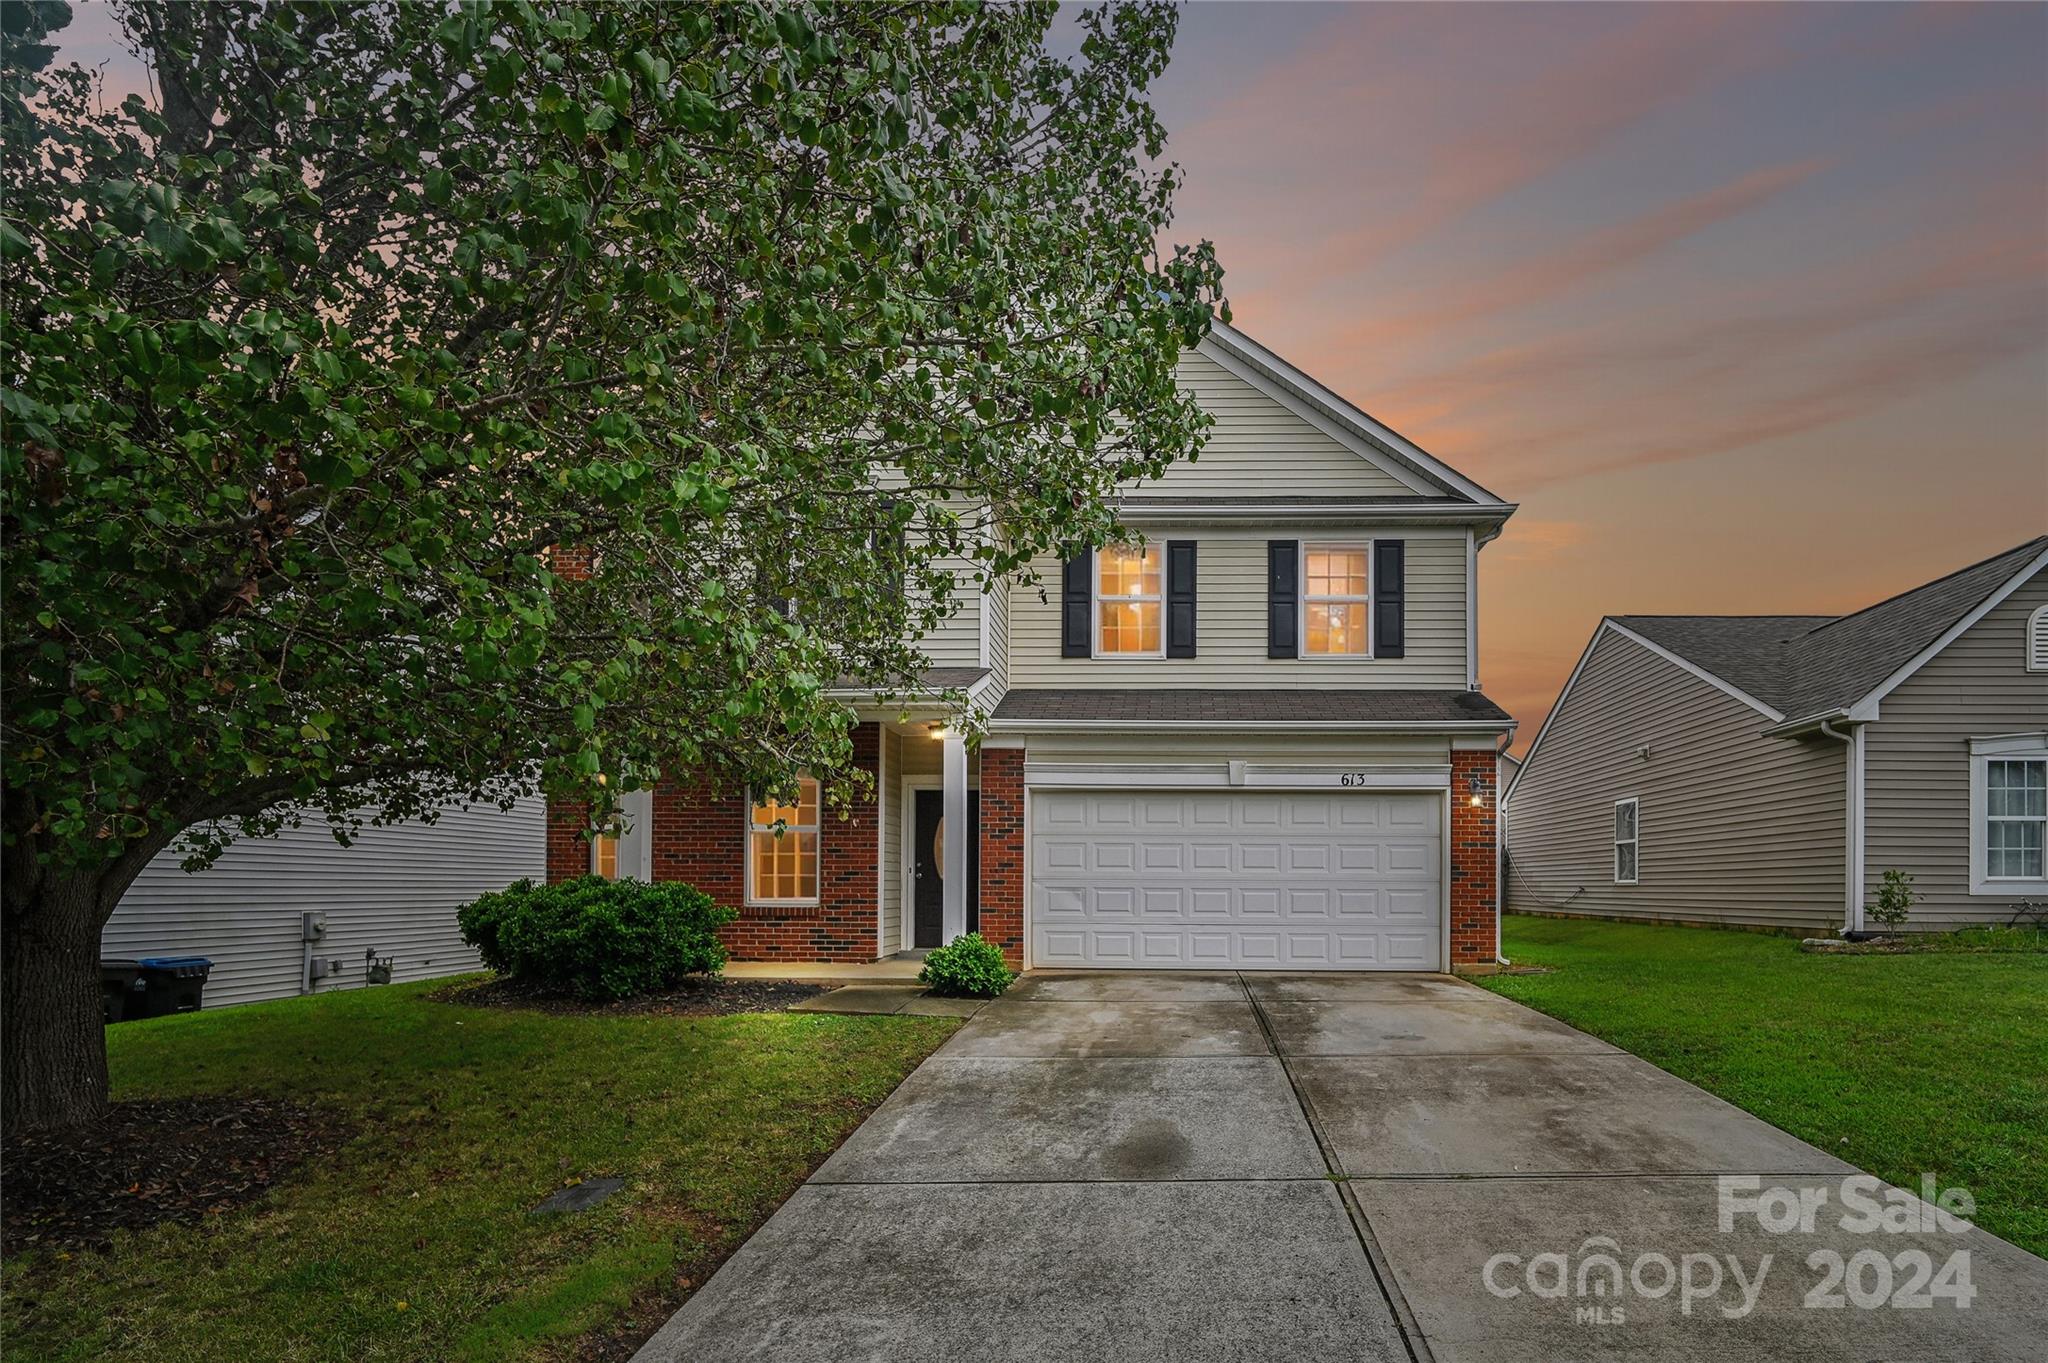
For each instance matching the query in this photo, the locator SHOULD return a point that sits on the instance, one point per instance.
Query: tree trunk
(54, 1045)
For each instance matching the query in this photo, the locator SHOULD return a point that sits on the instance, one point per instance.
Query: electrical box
(319, 968)
(312, 926)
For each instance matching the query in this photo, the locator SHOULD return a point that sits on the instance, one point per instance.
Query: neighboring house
(1767, 770)
(391, 893)
(1256, 741)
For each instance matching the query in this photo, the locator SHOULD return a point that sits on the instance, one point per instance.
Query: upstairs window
(1335, 601)
(782, 849)
(1129, 591)
(1627, 842)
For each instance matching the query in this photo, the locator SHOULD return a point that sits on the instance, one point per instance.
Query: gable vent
(2037, 640)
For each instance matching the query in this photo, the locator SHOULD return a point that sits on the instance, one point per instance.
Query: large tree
(325, 362)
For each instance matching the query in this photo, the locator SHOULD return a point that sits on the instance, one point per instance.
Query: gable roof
(1338, 418)
(1806, 665)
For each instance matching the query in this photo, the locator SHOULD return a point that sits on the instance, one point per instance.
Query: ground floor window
(1626, 842)
(2009, 814)
(782, 849)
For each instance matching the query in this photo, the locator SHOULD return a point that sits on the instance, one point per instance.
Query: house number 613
(1351, 778)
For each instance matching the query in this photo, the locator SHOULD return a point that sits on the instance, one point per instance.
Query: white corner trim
(1344, 422)
(1855, 814)
(881, 835)
(1866, 708)
(1982, 751)
(1696, 670)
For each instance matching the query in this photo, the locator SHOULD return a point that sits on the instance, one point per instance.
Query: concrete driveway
(1126, 1167)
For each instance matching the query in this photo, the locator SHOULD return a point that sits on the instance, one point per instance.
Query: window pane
(1334, 572)
(1130, 626)
(1624, 823)
(1337, 628)
(1128, 572)
(1625, 861)
(605, 858)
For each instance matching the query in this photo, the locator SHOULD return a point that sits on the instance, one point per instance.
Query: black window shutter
(1075, 600)
(1180, 598)
(1389, 592)
(1283, 598)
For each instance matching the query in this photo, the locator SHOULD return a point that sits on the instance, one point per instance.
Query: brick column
(568, 849)
(1002, 851)
(1474, 907)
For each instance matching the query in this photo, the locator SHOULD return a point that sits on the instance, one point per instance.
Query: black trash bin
(118, 982)
(170, 984)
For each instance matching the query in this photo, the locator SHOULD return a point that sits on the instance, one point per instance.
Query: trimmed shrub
(971, 967)
(596, 938)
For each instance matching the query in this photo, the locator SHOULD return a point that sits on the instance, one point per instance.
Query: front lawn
(414, 1241)
(1901, 1064)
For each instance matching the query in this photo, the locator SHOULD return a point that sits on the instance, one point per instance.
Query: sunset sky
(1746, 305)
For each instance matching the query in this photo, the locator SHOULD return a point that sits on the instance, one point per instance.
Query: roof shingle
(1802, 665)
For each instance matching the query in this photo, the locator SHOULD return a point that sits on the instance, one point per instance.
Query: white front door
(1164, 880)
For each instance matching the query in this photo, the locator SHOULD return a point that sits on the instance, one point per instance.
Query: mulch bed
(692, 998)
(188, 1159)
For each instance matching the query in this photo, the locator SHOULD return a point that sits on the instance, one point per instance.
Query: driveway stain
(1153, 1149)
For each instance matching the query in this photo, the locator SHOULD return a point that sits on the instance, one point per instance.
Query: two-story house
(1252, 738)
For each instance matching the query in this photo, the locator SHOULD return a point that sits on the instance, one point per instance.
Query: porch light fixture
(1473, 784)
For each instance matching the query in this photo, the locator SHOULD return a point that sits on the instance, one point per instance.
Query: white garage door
(1226, 879)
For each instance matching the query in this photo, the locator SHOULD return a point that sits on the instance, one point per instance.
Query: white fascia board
(1328, 412)
(1866, 708)
(1718, 683)
(1275, 778)
(1195, 513)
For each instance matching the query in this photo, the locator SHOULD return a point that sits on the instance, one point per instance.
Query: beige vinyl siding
(1916, 762)
(893, 813)
(1257, 447)
(957, 640)
(1230, 628)
(1734, 827)
(394, 889)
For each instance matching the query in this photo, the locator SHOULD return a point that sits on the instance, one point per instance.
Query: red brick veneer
(1474, 905)
(1002, 851)
(700, 837)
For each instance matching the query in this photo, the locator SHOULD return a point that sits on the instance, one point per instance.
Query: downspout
(1500, 843)
(1852, 819)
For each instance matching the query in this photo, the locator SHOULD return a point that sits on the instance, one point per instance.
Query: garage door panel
(1211, 878)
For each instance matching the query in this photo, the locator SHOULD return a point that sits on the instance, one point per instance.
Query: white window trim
(1096, 598)
(636, 812)
(817, 829)
(2037, 628)
(1615, 844)
(1983, 751)
(1302, 599)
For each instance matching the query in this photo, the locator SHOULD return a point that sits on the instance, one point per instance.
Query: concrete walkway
(1126, 1167)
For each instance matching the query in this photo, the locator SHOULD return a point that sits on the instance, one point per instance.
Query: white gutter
(1500, 836)
(1195, 512)
(1064, 726)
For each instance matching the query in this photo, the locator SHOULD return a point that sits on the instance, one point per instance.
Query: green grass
(1901, 1064)
(414, 1241)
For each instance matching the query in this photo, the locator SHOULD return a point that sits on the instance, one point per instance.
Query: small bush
(971, 967)
(596, 938)
(1895, 899)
